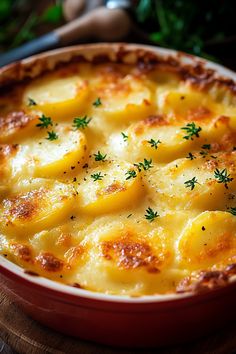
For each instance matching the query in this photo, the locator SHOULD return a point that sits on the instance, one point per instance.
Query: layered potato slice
(57, 97)
(112, 191)
(192, 184)
(16, 125)
(184, 103)
(7, 153)
(123, 97)
(126, 258)
(208, 240)
(41, 157)
(35, 205)
(164, 140)
(154, 137)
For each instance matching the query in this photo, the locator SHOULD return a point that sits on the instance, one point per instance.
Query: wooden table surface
(21, 334)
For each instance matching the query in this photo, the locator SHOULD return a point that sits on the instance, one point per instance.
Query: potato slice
(155, 137)
(40, 157)
(59, 98)
(16, 125)
(112, 192)
(185, 104)
(207, 239)
(7, 153)
(171, 143)
(121, 253)
(41, 205)
(133, 98)
(169, 183)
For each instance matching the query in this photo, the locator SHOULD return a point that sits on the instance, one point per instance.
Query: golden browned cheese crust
(120, 178)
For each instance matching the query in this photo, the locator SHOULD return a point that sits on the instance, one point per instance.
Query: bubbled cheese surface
(136, 196)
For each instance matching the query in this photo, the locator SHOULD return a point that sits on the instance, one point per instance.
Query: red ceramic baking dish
(117, 320)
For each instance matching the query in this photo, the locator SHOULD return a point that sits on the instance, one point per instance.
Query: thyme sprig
(97, 176)
(81, 122)
(124, 136)
(191, 130)
(97, 102)
(154, 143)
(232, 211)
(45, 122)
(145, 165)
(222, 176)
(99, 156)
(190, 156)
(191, 183)
(52, 136)
(31, 102)
(151, 214)
(131, 174)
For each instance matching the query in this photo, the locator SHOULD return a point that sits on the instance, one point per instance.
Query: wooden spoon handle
(101, 23)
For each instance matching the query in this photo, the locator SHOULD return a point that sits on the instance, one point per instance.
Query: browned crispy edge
(207, 280)
(195, 72)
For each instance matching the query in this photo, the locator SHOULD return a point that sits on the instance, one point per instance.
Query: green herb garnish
(191, 130)
(206, 146)
(222, 176)
(52, 136)
(190, 156)
(45, 122)
(81, 122)
(232, 211)
(145, 165)
(154, 143)
(124, 136)
(191, 183)
(203, 153)
(31, 102)
(99, 156)
(97, 176)
(151, 214)
(97, 102)
(131, 174)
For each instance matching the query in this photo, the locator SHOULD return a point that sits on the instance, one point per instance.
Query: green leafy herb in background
(20, 21)
(187, 25)
(53, 14)
(191, 26)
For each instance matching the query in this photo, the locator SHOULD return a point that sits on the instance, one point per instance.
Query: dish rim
(8, 267)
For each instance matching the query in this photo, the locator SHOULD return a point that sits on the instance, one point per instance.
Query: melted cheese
(76, 209)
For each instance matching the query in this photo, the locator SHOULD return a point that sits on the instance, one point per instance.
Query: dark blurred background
(202, 27)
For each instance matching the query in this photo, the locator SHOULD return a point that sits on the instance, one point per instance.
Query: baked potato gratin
(120, 178)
